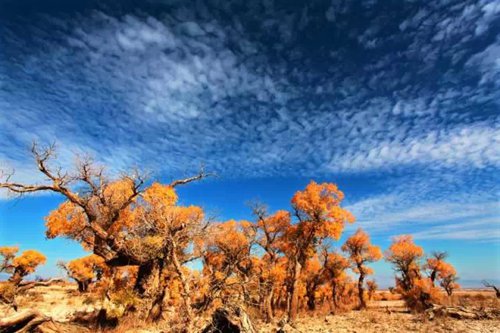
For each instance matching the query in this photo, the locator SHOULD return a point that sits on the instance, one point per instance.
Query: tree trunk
(151, 284)
(230, 320)
(292, 303)
(334, 295)
(311, 299)
(278, 301)
(156, 309)
(361, 291)
(246, 294)
(83, 285)
(268, 306)
(186, 291)
(433, 277)
(148, 279)
(16, 277)
(22, 322)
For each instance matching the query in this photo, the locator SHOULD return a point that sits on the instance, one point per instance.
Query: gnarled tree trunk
(186, 291)
(292, 302)
(334, 295)
(22, 322)
(311, 296)
(83, 285)
(230, 320)
(267, 305)
(151, 284)
(361, 291)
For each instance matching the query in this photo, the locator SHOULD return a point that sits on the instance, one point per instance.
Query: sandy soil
(60, 302)
(373, 321)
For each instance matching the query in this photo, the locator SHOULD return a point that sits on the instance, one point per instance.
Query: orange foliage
(372, 288)
(72, 221)
(228, 264)
(86, 268)
(437, 268)
(318, 208)
(228, 244)
(319, 216)
(7, 253)
(67, 220)
(405, 255)
(361, 252)
(28, 261)
(422, 294)
(312, 276)
(22, 265)
(335, 265)
(157, 205)
(158, 236)
(444, 272)
(419, 292)
(159, 195)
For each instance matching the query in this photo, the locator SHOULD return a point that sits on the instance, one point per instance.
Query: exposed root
(461, 312)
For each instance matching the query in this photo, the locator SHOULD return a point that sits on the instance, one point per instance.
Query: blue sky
(396, 101)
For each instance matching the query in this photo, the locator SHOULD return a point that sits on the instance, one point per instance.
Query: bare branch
(202, 174)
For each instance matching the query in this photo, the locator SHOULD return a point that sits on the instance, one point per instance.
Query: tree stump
(230, 320)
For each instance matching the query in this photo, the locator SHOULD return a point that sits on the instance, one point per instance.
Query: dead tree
(24, 286)
(489, 285)
(25, 321)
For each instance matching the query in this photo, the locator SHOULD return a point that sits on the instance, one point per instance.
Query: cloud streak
(301, 91)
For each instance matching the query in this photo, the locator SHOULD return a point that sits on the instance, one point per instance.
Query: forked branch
(490, 285)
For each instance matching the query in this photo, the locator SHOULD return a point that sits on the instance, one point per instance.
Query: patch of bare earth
(375, 321)
(387, 315)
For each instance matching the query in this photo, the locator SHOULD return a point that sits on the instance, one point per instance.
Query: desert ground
(385, 314)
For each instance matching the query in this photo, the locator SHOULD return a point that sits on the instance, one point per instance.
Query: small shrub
(7, 291)
(422, 295)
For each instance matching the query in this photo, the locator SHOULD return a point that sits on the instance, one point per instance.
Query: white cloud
(469, 146)
(464, 215)
(173, 91)
(487, 63)
(479, 229)
(490, 10)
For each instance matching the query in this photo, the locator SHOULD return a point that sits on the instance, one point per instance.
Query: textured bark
(292, 302)
(334, 295)
(185, 293)
(150, 284)
(311, 301)
(83, 285)
(22, 322)
(361, 291)
(311, 295)
(24, 286)
(230, 320)
(148, 279)
(268, 306)
(16, 277)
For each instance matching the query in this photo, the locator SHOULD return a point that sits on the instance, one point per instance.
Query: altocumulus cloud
(258, 89)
